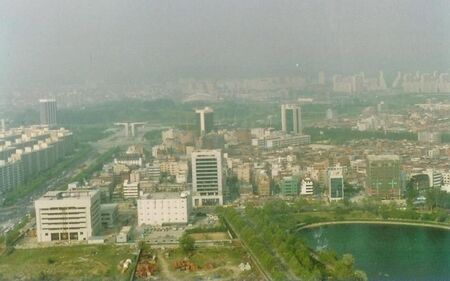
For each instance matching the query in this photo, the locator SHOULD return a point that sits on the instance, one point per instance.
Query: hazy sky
(74, 41)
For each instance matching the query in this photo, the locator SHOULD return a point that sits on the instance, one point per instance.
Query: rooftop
(61, 195)
(383, 157)
(165, 195)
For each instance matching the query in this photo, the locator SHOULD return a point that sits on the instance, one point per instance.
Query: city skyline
(148, 40)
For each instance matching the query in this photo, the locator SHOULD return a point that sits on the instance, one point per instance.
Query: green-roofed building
(289, 186)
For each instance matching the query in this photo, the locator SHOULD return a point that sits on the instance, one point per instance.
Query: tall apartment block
(47, 110)
(24, 152)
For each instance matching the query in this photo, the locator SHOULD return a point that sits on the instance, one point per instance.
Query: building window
(54, 237)
(64, 236)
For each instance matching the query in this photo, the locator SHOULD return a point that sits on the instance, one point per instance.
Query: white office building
(307, 187)
(164, 208)
(207, 179)
(68, 215)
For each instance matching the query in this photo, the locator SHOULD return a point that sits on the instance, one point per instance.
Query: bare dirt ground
(225, 261)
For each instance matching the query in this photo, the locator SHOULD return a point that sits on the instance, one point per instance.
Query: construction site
(204, 263)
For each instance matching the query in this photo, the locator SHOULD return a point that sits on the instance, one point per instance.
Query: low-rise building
(124, 235)
(307, 187)
(164, 208)
(130, 190)
(276, 141)
(109, 213)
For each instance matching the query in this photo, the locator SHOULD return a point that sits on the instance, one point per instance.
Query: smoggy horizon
(55, 43)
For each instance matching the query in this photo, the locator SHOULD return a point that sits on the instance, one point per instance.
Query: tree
(442, 215)
(144, 246)
(187, 243)
(360, 275)
(432, 198)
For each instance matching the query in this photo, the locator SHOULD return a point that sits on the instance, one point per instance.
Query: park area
(98, 262)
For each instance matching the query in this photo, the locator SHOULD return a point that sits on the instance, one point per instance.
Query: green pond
(388, 252)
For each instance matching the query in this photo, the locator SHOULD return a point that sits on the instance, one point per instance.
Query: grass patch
(85, 262)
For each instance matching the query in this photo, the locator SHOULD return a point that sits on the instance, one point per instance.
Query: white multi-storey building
(68, 215)
(130, 190)
(207, 177)
(307, 187)
(164, 208)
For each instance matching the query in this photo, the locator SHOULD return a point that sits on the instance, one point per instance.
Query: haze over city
(77, 42)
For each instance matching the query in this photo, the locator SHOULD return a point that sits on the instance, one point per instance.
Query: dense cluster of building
(423, 82)
(209, 166)
(358, 83)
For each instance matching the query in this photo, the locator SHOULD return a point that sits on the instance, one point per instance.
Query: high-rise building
(48, 112)
(205, 120)
(26, 151)
(11, 174)
(335, 184)
(207, 177)
(321, 79)
(68, 215)
(383, 176)
(330, 114)
(291, 119)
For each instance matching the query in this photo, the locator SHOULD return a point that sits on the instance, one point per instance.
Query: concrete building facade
(207, 180)
(383, 176)
(164, 208)
(335, 184)
(307, 187)
(47, 110)
(291, 119)
(68, 215)
(289, 186)
(205, 120)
